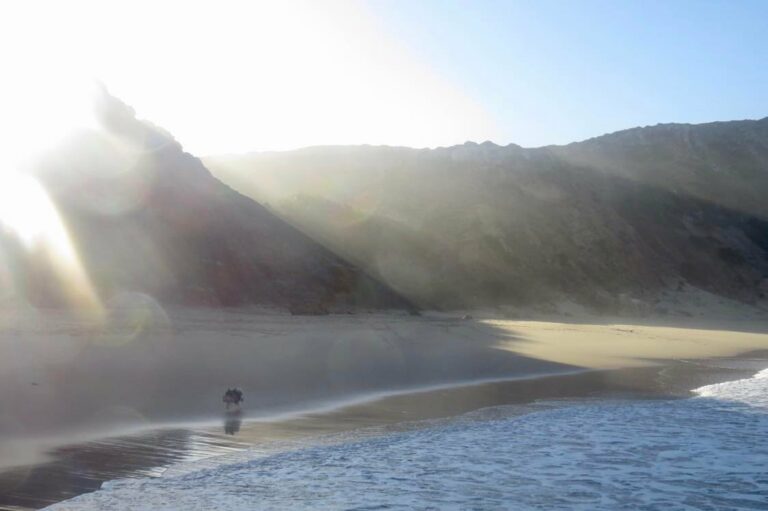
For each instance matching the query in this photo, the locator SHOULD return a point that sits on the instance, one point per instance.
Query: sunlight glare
(28, 213)
(237, 76)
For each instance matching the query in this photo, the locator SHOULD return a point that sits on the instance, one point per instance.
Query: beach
(95, 405)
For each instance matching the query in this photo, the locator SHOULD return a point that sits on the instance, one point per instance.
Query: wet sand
(83, 403)
(82, 467)
(149, 366)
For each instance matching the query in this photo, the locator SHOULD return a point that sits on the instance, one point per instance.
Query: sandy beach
(86, 403)
(83, 466)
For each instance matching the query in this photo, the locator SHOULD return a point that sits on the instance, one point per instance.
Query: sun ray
(28, 214)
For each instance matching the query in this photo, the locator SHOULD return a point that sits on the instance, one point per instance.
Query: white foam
(708, 452)
(750, 391)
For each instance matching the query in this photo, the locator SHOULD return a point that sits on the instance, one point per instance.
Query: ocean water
(709, 452)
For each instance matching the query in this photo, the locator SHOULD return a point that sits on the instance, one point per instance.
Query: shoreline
(276, 415)
(154, 396)
(205, 447)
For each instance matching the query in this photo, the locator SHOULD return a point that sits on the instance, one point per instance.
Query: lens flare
(134, 316)
(28, 214)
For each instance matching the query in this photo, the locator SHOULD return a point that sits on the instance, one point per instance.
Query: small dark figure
(232, 424)
(233, 397)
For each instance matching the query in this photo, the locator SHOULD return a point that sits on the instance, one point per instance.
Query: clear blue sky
(560, 71)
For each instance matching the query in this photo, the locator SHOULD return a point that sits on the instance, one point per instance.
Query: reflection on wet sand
(232, 423)
(83, 467)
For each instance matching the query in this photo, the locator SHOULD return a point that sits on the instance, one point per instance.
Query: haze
(464, 254)
(242, 76)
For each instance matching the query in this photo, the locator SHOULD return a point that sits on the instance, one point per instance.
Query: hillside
(147, 217)
(614, 223)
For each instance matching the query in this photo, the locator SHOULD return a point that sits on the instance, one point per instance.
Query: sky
(234, 76)
(553, 72)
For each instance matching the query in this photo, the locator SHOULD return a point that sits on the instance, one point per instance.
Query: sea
(706, 452)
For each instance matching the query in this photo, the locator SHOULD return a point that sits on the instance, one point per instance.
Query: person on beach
(233, 397)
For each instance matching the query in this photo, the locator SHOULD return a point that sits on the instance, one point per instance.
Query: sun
(235, 76)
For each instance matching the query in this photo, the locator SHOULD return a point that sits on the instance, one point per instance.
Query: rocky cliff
(612, 222)
(144, 216)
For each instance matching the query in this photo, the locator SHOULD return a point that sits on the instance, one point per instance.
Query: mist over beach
(403, 255)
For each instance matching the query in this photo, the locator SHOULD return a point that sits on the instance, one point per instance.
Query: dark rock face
(146, 216)
(623, 216)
